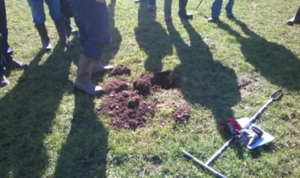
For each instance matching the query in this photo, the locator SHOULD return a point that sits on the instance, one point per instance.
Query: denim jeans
(217, 6)
(38, 12)
(92, 20)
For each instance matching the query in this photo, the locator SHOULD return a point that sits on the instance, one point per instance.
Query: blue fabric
(38, 12)
(217, 6)
(92, 20)
(152, 2)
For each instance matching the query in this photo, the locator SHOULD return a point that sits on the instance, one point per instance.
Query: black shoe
(186, 15)
(213, 20)
(15, 64)
(3, 80)
(229, 15)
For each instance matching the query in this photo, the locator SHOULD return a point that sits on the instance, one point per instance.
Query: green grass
(48, 130)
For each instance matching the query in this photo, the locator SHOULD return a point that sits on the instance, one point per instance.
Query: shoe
(186, 15)
(152, 8)
(41, 28)
(99, 68)
(229, 15)
(182, 10)
(213, 20)
(15, 64)
(83, 78)
(3, 80)
(60, 27)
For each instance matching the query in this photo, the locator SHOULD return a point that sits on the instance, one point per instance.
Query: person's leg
(295, 19)
(215, 10)
(57, 17)
(168, 10)
(38, 18)
(228, 8)
(182, 10)
(7, 52)
(151, 5)
(92, 20)
(3, 79)
(68, 27)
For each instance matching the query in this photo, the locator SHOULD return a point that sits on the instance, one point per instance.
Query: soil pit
(120, 70)
(181, 114)
(160, 80)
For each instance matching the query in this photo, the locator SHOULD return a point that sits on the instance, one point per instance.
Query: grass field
(227, 69)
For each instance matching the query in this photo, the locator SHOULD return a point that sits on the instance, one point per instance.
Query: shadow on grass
(273, 61)
(84, 152)
(114, 47)
(27, 113)
(203, 80)
(152, 38)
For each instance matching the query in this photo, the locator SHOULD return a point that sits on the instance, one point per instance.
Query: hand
(100, 1)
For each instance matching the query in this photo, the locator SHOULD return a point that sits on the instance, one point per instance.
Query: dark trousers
(92, 20)
(5, 50)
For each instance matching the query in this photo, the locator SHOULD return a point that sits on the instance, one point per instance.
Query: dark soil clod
(120, 70)
(116, 86)
(181, 114)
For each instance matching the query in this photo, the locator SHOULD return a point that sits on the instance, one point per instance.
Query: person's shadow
(204, 81)
(85, 150)
(152, 39)
(28, 112)
(273, 61)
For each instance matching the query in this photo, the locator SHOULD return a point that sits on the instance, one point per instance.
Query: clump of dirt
(143, 84)
(116, 86)
(120, 70)
(181, 114)
(160, 80)
(127, 108)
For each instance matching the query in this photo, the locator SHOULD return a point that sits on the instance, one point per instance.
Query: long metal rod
(202, 164)
(275, 96)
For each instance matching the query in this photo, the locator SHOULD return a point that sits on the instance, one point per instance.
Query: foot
(213, 20)
(15, 64)
(229, 15)
(3, 80)
(186, 15)
(151, 8)
(46, 45)
(100, 68)
(88, 87)
(290, 21)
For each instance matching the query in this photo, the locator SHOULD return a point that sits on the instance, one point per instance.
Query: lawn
(226, 69)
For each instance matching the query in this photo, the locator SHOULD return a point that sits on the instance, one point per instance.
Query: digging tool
(199, 4)
(245, 123)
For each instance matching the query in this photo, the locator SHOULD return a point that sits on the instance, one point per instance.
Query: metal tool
(199, 4)
(275, 96)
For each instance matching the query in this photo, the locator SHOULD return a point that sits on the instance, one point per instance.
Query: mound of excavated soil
(120, 70)
(127, 108)
(116, 85)
(181, 114)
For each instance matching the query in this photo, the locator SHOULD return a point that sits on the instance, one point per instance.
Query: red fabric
(236, 126)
